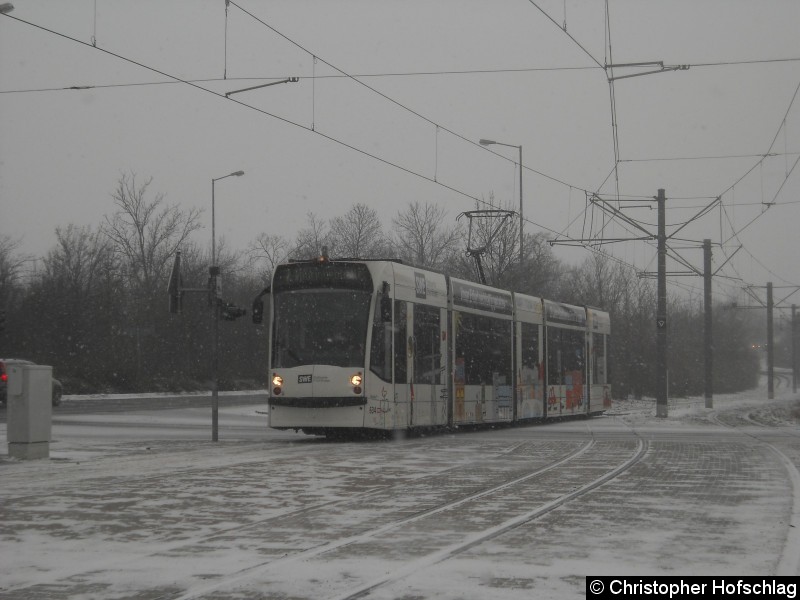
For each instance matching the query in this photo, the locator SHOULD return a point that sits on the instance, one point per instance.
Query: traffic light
(258, 306)
(175, 284)
(258, 311)
(230, 312)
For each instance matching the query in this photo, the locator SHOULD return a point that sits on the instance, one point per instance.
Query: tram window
(565, 354)
(324, 327)
(554, 371)
(574, 343)
(484, 344)
(599, 357)
(381, 348)
(530, 353)
(400, 341)
(427, 345)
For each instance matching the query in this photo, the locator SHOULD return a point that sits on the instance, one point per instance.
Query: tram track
(358, 519)
(371, 494)
(479, 538)
(752, 417)
(789, 562)
(350, 543)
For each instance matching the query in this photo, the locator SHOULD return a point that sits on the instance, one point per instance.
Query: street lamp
(489, 143)
(6, 7)
(213, 237)
(213, 271)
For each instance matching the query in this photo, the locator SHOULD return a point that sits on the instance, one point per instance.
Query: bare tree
(80, 284)
(80, 260)
(358, 233)
(422, 239)
(146, 233)
(600, 281)
(266, 252)
(309, 241)
(10, 267)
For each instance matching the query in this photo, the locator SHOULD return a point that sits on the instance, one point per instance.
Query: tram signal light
(258, 311)
(230, 312)
(258, 306)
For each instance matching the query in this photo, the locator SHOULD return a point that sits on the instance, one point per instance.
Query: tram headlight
(277, 384)
(356, 381)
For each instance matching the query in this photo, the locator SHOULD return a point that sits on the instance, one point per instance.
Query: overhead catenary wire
(280, 118)
(615, 140)
(437, 126)
(194, 84)
(736, 231)
(412, 111)
(381, 75)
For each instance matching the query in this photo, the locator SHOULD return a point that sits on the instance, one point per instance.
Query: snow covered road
(142, 505)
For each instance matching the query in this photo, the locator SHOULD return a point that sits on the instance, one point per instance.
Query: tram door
(426, 352)
(401, 415)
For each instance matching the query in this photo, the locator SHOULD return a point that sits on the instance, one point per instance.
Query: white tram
(385, 346)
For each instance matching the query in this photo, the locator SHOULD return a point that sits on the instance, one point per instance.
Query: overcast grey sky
(429, 80)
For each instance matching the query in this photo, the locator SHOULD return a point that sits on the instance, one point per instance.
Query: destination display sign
(472, 296)
(565, 314)
(310, 275)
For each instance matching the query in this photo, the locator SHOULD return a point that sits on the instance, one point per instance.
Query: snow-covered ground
(142, 505)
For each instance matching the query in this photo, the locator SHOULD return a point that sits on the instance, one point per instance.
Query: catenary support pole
(213, 275)
(770, 349)
(521, 220)
(661, 312)
(794, 348)
(708, 337)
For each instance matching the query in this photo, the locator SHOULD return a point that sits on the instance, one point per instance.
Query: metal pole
(215, 369)
(520, 206)
(794, 348)
(214, 272)
(708, 331)
(215, 310)
(770, 349)
(213, 234)
(661, 311)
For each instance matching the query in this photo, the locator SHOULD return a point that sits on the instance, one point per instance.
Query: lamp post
(491, 142)
(213, 271)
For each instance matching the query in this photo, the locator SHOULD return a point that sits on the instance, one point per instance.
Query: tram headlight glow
(277, 384)
(355, 381)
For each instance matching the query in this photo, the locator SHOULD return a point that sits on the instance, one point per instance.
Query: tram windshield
(320, 327)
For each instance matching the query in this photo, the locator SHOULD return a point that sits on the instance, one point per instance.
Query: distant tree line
(95, 306)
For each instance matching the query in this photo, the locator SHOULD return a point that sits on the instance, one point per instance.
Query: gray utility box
(30, 410)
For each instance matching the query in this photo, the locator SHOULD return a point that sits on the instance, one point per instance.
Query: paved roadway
(142, 505)
(114, 403)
